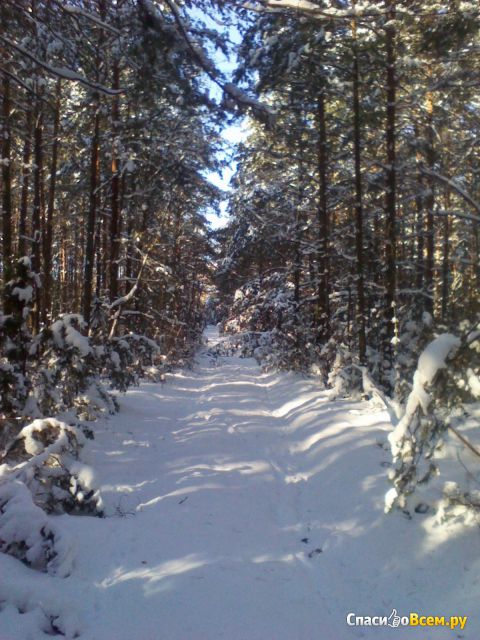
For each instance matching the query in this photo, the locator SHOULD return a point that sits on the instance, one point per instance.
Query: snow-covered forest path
(245, 506)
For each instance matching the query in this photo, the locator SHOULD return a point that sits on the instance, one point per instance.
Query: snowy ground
(244, 506)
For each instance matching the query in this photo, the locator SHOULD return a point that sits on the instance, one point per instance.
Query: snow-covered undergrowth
(428, 382)
(45, 456)
(267, 324)
(42, 474)
(436, 443)
(27, 533)
(244, 504)
(61, 368)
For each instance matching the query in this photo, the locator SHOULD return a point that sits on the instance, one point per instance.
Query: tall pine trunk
(391, 177)
(358, 203)
(323, 312)
(23, 212)
(7, 214)
(92, 213)
(48, 230)
(115, 200)
(38, 202)
(429, 273)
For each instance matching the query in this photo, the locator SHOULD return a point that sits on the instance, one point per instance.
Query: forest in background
(355, 219)
(353, 239)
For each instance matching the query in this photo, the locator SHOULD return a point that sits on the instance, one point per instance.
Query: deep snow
(247, 506)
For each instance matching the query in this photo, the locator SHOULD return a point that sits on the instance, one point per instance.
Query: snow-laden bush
(15, 338)
(63, 368)
(414, 335)
(66, 368)
(343, 378)
(271, 326)
(131, 357)
(447, 377)
(45, 457)
(28, 534)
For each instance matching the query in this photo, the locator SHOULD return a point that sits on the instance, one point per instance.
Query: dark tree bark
(92, 213)
(358, 202)
(323, 223)
(420, 231)
(48, 228)
(446, 257)
(23, 211)
(115, 200)
(429, 274)
(7, 214)
(38, 202)
(391, 177)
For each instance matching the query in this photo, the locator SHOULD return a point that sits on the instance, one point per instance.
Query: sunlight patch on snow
(296, 478)
(189, 434)
(286, 558)
(439, 534)
(155, 574)
(178, 493)
(244, 468)
(308, 443)
(136, 443)
(125, 488)
(285, 409)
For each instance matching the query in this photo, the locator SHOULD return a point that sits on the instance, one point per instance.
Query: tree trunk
(360, 315)
(323, 224)
(23, 212)
(38, 199)
(429, 275)
(391, 178)
(420, 266)
(92, 214)
(446, 257)
(48, 230)
(115, 208)
(7, 253)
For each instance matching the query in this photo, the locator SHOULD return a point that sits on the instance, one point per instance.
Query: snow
(64, 332)
(434, 355)
(432, 359)
(24, 294)
(27, 532)
(243, 505)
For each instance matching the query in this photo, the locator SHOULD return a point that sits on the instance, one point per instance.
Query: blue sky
(232, 133)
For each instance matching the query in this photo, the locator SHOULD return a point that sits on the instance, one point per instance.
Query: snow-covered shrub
(271, 324)
(66, 365)
(447, 376)
(414, 335)
(131, 357)
(63, 368)
(15, 338)
(45, 457)
(27, 533)
(343, 378)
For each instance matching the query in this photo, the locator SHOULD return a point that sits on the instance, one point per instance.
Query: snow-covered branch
(237, 95)
(62, 72)
(456, 187)
(73, 10)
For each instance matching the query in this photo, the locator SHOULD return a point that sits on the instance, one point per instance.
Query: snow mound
(49, 452)
(432, 359)
(28, 534)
